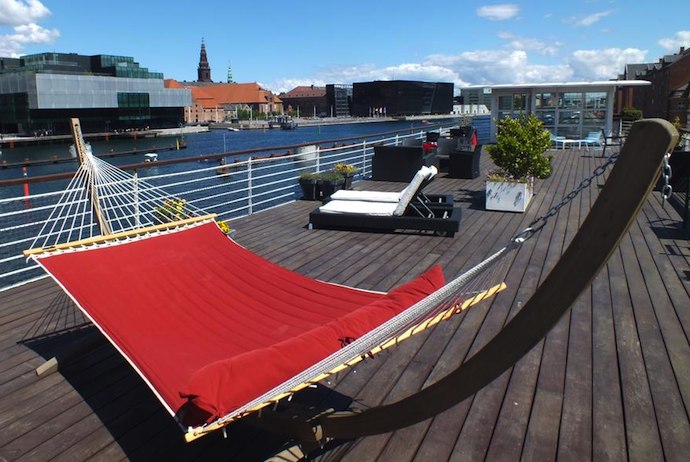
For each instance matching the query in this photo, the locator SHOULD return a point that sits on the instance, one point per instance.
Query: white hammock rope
(125, 202)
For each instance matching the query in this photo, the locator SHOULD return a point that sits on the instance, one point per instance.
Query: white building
(570, 109)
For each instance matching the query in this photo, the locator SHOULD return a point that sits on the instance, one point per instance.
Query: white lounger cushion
(360, 207)
(367, 196)
(343, 201)
(408, 193)
(379, 196)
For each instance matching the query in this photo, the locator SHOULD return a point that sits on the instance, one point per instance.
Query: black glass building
(401, 98)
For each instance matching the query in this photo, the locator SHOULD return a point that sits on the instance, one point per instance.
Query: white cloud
(12, 45)
(483, 67)
(527, 43)
(23, 17)
(499, 12)
(285, 85)
(603, 64)
(18, 12)
(33, 33)
(592, 18)
(680, 39)
(501, 66)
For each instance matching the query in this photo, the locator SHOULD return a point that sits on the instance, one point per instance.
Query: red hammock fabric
(208, 323)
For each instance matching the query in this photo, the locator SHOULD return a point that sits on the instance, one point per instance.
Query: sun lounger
(385, 196)
(409, 212)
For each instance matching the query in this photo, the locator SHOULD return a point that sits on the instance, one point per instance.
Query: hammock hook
(525, 235)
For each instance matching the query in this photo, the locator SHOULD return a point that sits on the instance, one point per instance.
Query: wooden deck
(610, 381)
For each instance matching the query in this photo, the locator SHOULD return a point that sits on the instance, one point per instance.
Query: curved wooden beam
(629, 183)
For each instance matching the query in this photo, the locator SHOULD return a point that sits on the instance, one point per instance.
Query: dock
(610, 382)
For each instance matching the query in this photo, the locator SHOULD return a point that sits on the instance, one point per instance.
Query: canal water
(198, 145)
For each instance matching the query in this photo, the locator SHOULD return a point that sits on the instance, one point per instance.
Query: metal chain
(540, 222)
(667, 189)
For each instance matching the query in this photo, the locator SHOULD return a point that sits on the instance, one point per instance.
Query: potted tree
(519, 155)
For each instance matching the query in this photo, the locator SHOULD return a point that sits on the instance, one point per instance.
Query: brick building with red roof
(307, 100)
(216, 102)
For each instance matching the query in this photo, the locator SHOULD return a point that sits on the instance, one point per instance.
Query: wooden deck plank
(662, 343)
(608, 418)
(542, 369)
(541, 440)
(642, 434)
(574, 439)
(474, 441)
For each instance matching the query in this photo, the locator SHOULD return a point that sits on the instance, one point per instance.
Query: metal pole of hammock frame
(629, 183)
(80, 147)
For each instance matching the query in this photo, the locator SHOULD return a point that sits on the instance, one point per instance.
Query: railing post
(249, 187)
(364, 158)
(135, 188)
(318, 157)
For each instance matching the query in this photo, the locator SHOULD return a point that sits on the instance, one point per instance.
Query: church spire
(230, 79)
(203, 71)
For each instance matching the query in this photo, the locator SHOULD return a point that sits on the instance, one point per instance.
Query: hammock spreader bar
(629, 183)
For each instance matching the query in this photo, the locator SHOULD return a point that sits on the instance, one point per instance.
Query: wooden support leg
(70, 352)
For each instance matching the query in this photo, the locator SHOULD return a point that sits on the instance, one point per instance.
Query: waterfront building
(339, 99)
(216, 102)
(570, 109)
(306, 100)
(39, 93)
(401, 98)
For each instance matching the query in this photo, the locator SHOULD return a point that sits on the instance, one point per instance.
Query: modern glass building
(401, 98)
(339, 99)
(570, 109)
(40, 93)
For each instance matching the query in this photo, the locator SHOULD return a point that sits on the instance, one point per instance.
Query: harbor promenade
(611, 381)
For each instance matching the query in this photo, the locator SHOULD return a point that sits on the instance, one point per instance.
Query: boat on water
(284, 122)
(288, 123)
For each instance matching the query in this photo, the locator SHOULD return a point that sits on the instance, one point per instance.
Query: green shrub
(631, 113)
(520, 147)
(332, 175)
(309, 176)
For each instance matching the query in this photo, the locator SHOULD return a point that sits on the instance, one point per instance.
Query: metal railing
(230, 190)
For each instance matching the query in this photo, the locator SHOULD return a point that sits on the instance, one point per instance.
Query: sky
(282, 45)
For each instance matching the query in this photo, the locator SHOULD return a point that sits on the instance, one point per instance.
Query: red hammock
(211, 326)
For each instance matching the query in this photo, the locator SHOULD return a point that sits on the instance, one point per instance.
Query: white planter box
(508, 196)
